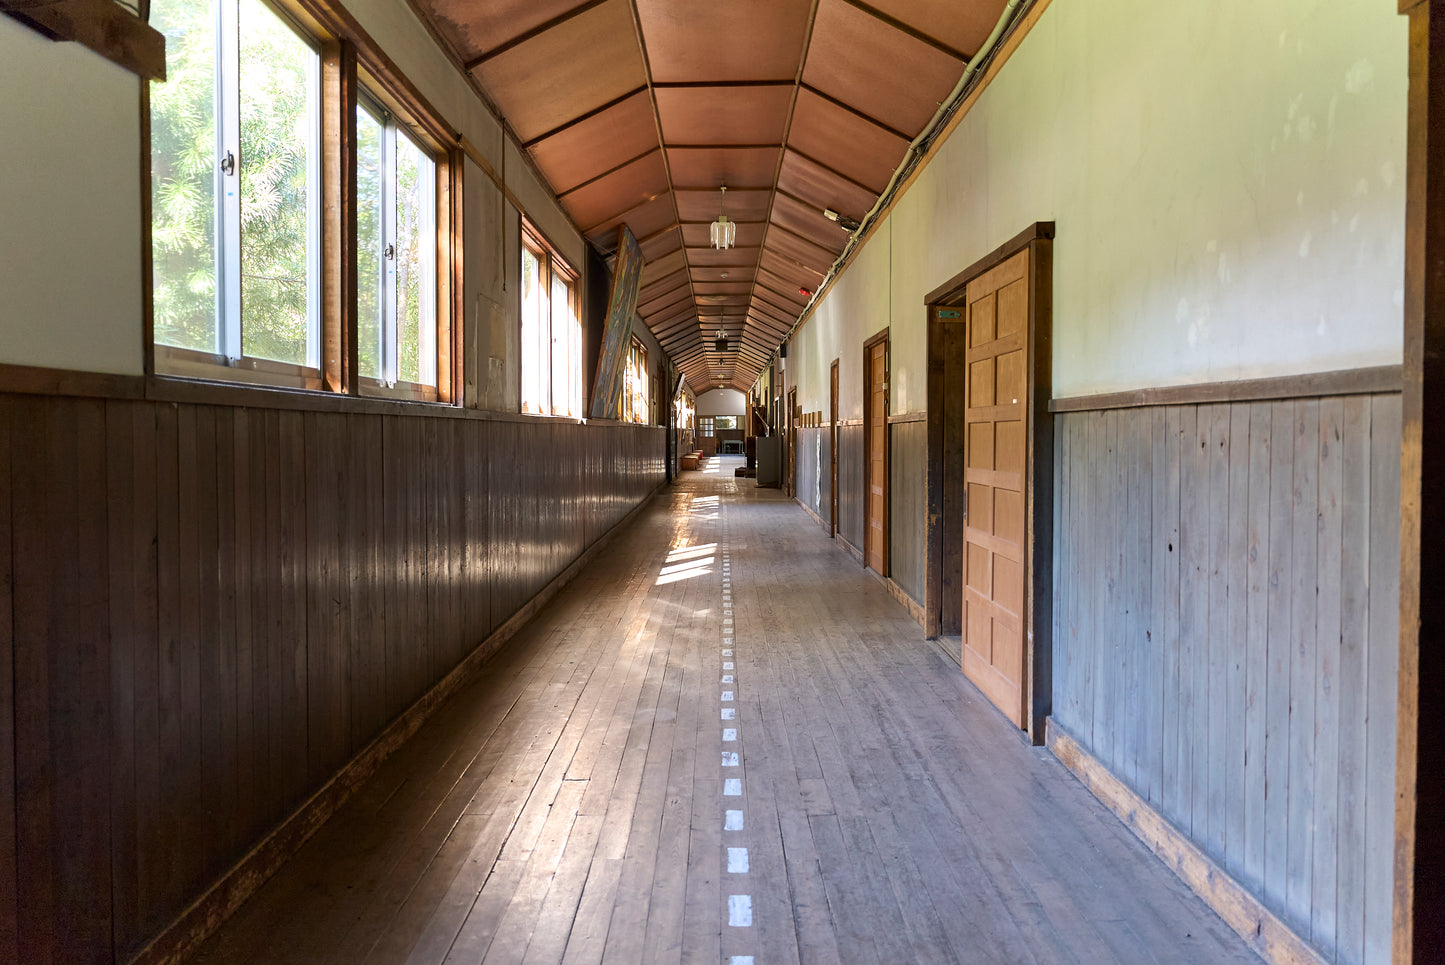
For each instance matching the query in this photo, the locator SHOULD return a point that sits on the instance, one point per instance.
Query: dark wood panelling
(9, 885)
(908, 512)
(222, 606)
(1225, 638)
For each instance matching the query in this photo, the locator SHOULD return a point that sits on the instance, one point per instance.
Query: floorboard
(723, 739)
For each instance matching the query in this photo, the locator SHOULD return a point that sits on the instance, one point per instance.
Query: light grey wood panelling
(1225, 638)
(850, 484)
(908, 505)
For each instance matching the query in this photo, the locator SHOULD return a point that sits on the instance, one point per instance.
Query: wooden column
(1419, 918)
(338, 257)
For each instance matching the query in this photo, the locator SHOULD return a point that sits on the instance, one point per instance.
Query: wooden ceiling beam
(913, 32)
(583, 117)
(532, 34)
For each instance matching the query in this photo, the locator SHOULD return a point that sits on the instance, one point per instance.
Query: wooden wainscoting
(1225, 638)
(216, 607)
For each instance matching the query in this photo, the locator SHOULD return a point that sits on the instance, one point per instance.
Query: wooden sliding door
(990, 474)
(996, 447)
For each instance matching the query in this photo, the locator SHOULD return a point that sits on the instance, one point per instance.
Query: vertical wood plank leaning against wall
(1225, 638)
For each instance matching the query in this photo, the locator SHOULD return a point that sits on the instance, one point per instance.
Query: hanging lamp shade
(724, 232)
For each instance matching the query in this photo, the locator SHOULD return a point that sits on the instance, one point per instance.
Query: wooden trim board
(952, 291)
(180, 939)
(1365, 381)
(105, 27)
(816, 518)
(1260, 929)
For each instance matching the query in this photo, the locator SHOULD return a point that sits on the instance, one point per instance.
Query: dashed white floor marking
(727, 678)
(737, 861)
(733, 787)
(729, 713)
(729, 734)
(727, 696)
(740, 911)
(732, 821)
(729, 758)
(741, 960)
(727, 664)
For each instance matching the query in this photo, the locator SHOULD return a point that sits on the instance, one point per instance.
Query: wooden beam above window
(104, 26)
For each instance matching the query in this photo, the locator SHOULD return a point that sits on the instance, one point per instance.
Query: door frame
(792, 440)
(1039, 498)
(833, 450)
(868, 345)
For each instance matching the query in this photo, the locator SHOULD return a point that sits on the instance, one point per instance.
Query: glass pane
(533, 358)
(278, 77)
(183, 176)
(561, 347)
(415, 264)
(369, 134)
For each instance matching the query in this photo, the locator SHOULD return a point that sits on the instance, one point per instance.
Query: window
(705, 426)
(551, 332)
(235, 191)
(396, 253)
(634, 389)
(252, 272)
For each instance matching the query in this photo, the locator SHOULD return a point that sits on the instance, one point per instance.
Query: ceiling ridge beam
(699, 84)
(657, 124)
(787, 130)
(536, 31)
(688, 146)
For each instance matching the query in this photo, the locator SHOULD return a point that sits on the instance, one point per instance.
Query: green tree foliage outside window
(275, 237)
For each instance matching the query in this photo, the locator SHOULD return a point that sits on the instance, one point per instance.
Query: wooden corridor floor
(722, 742)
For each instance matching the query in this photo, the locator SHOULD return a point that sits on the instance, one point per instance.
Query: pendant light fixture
(724, 232)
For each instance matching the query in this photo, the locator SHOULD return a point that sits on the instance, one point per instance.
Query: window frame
(637, 365)
(395, 126)
(349, 60)
(231, 363)
(551, 267)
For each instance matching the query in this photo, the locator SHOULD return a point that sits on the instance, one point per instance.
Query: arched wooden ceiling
(637, 111)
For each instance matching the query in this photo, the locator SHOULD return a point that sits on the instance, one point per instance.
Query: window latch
(228, 164)
(390, 252)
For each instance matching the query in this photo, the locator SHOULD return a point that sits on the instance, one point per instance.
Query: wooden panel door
(875, 536)
(995, 570)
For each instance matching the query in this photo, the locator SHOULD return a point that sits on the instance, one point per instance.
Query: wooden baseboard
(180, 939)
(853, 551)
(1262, 931)
(914, 608)
(816, 518)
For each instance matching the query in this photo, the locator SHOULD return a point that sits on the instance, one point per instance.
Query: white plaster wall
(70, 207)
(1227, 181)
(722, 402)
